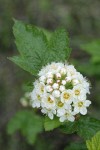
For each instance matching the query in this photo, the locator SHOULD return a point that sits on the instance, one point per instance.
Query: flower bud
(75, 82)
(58, 75)
(63, 71)
(55, 86)
(68, 79)
(49, 75)
(58, 81)
(62, 88)
(63, 82)
(56, 93)
(42, 79)
(49, 88)
(49, 81)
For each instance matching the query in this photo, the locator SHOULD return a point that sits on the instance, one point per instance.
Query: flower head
(60, 90)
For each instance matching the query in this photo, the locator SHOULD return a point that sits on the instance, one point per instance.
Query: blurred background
(81, 19)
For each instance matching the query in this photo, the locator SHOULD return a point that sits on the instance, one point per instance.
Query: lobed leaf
(34, 48)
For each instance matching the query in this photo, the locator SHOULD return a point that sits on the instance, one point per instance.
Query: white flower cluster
(61, 91)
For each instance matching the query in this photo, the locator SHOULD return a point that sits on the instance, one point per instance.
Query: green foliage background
(81, 20)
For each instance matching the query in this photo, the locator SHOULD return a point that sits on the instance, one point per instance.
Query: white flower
(86, 85)
(41, 88)
(43, 71)
(48, 101)
(49, 112)
(83, 82)
(69, 115)
(71, 71)
(35, 99)
(80, 106)
(60, 90)
(66, 97)
(79, 92)
(61, 108)
(55, 67)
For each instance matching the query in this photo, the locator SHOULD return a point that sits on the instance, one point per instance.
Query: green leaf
(51, 124)
(69, 127)
(59, 46)
(87, 127)
(29, 39)
(28, 123)
(94, 143)
(76, 146)
(34, 48)
(24, 64)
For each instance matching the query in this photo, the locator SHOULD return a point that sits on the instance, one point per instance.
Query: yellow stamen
(77, 92)
(42, 89)
(67, 114)
(80, 104)
(50, 100)
(38, 96)
(66, 96)
(60, 104)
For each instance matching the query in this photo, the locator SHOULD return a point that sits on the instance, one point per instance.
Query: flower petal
(71, 118)
(67, 106)
(87, 103)
(83, 110)
(60, 112)
(62, 119)
(50, 115)
(76, 109)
